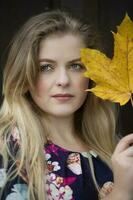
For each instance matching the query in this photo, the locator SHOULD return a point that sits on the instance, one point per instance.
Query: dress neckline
(84, 153)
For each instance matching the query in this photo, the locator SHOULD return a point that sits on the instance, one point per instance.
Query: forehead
(55, 46)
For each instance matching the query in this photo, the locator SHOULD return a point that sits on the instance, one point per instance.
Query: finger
(129, 151)
(124, 143)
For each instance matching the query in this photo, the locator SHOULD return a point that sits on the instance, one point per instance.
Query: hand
(122, 162)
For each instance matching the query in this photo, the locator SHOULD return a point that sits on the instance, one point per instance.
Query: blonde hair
(97, 121)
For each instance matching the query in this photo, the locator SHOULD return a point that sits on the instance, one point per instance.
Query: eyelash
(73, 67)
(80, 66)
(44, 68)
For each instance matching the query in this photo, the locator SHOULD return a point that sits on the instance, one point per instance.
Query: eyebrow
(53, 61)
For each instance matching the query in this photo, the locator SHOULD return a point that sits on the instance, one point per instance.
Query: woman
(56, 139)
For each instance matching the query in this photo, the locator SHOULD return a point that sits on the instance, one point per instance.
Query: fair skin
(122, 161)
(62, 73)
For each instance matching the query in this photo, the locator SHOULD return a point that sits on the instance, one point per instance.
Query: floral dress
(68, 176)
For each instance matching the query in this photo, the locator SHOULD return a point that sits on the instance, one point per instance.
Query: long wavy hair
(95, 119)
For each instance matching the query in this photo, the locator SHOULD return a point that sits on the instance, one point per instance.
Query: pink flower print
(50, 178)
(106, 189)
(61, 181)
(53, 166)
(58, 180)
(62, 193)
(69, 180)
(47, 156)
(50, 167)
(74, 163)
(52, 149)
(58, 188)
(56, 166)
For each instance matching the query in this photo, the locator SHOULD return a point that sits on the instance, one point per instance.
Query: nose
(63, 78)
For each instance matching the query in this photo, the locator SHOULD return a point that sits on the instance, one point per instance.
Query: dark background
(105, 14)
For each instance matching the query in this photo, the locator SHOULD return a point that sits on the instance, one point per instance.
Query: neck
(62, 132)
(61, 128)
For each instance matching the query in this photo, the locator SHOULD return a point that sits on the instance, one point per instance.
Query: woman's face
(60, 88)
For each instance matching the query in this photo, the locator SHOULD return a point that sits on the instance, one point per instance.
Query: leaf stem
(132, 100)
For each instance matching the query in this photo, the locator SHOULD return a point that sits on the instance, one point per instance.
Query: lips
(63, 97)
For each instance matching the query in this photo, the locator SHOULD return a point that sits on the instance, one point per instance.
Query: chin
(62, 113)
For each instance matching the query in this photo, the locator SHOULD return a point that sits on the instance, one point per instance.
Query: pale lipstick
(63, 97)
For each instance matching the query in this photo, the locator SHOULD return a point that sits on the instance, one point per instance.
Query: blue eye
(77, 66)
(46, 67)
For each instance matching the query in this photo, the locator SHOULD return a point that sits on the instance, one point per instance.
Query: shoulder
(103, 171)
(104, 177)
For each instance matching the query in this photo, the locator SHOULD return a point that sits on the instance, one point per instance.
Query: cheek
(41, 87)
(82, 84)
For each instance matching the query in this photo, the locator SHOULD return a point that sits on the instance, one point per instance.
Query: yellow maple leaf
(113, 77)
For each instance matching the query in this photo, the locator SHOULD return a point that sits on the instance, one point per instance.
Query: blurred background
(104, 14)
